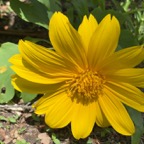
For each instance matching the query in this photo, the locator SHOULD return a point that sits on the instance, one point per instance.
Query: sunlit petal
(116, 114)
(104, 41)
(27, 71)
(127, 94)
(45, 60)
(41, 105)
(126, 58)
(57, 107)
(59, 112)
(24, 85)
(86, 29)
(101, 120)
(83, 120)
(134, 76)
(66, 40)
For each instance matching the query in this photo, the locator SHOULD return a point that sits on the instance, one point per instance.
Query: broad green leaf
(33, 11)
(127, 39)
(52, 5)
(28, 97)
(36, 11)
(81, 7)
(70, 15)
(138, 121)
(6, 89)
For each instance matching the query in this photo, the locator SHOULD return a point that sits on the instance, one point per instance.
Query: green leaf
(55, 140)
(127, 39)
(33, 11)
(1, 142)
(21, 130)
(22, 141)
(126, 5)
(52, 5)
(70, 15)
(138, 121)
(12, 119)
(81, 7)
(6, 89)
(101, 3)
(2, 118)
(36, 11)
(89, 141)
(28, 97)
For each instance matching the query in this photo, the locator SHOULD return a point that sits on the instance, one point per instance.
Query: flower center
(86, 87)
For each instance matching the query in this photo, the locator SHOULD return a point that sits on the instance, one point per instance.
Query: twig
(16, 107)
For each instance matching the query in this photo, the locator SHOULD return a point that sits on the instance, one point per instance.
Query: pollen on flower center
(86, 86)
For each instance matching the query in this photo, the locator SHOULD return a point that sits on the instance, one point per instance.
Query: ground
(23, 126)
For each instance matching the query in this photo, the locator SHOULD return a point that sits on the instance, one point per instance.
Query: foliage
(36, 11)
(130, 13)
(7, 91)
(55, 140)
(22, 142)
(138, 121)
(11, 119)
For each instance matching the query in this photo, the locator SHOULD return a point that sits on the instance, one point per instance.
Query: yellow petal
(126, 58)
(127, 94)
(41, 105)
(66, 40)
(104, 40)
(86, 29)
(57, 108)
(116, 114)
(83, 120)
(133, 76)
(44, 59)
(101, 120)
(26, 71)
(23, 85)
(59, 111)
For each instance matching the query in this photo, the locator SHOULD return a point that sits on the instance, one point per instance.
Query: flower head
(84, 81)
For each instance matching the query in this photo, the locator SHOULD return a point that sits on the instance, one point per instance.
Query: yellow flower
(84, 81)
